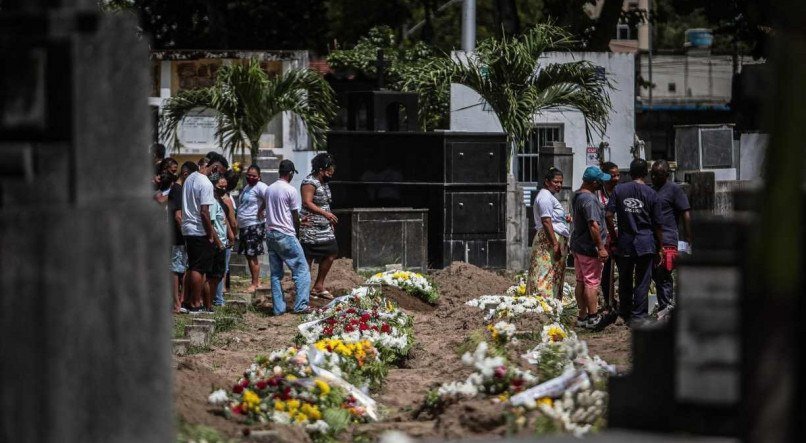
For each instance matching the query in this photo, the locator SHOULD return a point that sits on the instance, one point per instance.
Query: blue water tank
(699, 38)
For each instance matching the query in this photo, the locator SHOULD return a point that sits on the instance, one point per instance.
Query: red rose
(245, 383)
(261, 385)
(500, 371)
(237, 409)
(363, 327)
(274, 381)
(351, 311)
(237, 389)
(349, 328)
(374, 328)
(365, 317)
(385, 328)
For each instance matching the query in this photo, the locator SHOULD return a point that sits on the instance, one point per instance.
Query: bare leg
(177, 295)
(592, 299)
(184, 295)
(196, 288)
(324, 268)
(582, 303)
(209, 290)
(254, 269)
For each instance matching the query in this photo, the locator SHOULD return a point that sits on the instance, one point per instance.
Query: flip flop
(323, 294)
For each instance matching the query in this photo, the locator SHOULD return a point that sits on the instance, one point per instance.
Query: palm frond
(178, 107)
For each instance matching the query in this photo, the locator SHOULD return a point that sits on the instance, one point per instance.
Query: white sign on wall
(198, 132)
(592, 156)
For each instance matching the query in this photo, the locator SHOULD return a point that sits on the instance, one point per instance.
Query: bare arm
(232, 221)
(307, 192)
(295, 217)
(207, 223)
(611, 225)
(596, 234)
(178, 217)
(687, 226)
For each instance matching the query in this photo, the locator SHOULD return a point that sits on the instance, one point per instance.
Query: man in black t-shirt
(179, 255)
(638, 240)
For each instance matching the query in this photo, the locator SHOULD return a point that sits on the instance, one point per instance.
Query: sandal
(323, 294)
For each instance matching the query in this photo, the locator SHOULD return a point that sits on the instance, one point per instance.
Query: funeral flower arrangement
(509, 306)
(502, 333)
(285, 388)
(411, 282)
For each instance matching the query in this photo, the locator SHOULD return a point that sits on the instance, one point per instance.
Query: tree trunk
(508, 19)
(605, 26)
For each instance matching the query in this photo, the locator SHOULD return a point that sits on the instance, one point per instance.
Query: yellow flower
(324, 388)
(556, 333)
(279, 405)
(311, 411)
(504, 397)
(300, 417)
(545, 306)
(293, 405)
(290, 377)
(251, 401)
(546, 401)
(378, 275)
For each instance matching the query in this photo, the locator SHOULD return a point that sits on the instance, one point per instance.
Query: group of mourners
(208, 220)
(631, 226)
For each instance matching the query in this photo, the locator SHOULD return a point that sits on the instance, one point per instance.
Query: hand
(603, 255)
(305, 221)
(558, 253)
(660, 259)
(261, 215)
(219, 245)
(331, 217)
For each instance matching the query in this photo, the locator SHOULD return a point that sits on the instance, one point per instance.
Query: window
(672, 87)
(527, 160)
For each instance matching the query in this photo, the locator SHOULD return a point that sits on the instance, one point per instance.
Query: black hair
(551, 173)
(607, 166)
(165, 180)
(188, 166)
(255, 167)
(322, 161)
(232, 179)
(215, 157)
(638, 168)
(158, 151)
(165, 164)
(661, 165)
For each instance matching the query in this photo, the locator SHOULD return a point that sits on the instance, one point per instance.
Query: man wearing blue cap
(588, 246)
(638, 240)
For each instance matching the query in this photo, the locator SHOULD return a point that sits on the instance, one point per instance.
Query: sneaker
(305, 311)
(594, 322)
(182, 311)
(195, 311)
(582, 323)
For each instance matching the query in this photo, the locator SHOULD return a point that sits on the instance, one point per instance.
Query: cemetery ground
(442, 334)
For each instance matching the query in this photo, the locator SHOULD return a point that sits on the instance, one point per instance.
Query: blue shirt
(673, 202)
(638, 210)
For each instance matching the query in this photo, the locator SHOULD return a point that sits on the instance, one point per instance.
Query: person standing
(674, 204)
(179, 256)
(222, 240)
(550, 245)
(197, 228)
(317, 236)
(588, 246)
(252, 230)
(282, 225)
(228, 205)
(610, 312)
(638, 240)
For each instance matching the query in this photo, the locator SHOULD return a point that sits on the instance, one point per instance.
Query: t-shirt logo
(633, 205)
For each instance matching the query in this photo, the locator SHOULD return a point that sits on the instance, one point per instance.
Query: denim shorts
(179, 259)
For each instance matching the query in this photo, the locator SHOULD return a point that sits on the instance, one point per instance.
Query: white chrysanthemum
(218, 397)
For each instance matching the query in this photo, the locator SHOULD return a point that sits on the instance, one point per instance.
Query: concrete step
(198, 335)
(180, 346)
(238, 305)
(242, 296)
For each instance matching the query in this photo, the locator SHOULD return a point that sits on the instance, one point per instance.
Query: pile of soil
(340, 279)
(405, 301)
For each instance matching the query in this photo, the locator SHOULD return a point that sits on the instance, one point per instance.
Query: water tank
(699, 38)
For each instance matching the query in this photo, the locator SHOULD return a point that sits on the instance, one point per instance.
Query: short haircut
(158, 150)
(188, 167)
(638, 168)
(322, 161)
(166, 163)
(204, 161)
(551, 173)
(661, 165)
(607, 166)
(165, 180)
(215, 157)
(255, 167)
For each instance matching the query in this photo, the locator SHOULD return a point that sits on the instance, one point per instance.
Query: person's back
(637, 212)
(281, 199)
(197, 191)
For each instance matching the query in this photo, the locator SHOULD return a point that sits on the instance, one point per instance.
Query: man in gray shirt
(588, 246)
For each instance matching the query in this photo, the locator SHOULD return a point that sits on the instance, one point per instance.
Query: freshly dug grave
(340, 279)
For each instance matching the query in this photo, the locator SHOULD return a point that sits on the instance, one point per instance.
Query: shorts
(250, 240)
(179, 259)
(319, 251)
(200, 253)
(588, 270)
(219, 268)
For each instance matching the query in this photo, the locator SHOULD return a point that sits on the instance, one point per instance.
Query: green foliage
(477, 336)
(195, 433)
(179, 325)
(246, 99)
(516, 84)
(404, 71)
(545, 425)
(552, 361)
(337, 418)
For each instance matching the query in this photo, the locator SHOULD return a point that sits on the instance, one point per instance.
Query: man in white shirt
(282, 225)
(197, 228)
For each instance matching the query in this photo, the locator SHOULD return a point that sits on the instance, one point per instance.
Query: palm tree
(246, 99)
(511, 78)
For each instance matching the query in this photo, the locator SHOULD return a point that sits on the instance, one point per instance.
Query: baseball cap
(287, 166)
(592, 173)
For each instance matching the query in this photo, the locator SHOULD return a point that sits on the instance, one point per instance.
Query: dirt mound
(406, 301)
(341, 278)
(193, 383)
(461, 282)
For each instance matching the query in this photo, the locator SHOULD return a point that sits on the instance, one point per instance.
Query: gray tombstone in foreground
(85, 301)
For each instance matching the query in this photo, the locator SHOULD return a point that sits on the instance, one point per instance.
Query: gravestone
(85, 304)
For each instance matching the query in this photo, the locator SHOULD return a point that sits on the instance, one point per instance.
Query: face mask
(220, 192)
(326, 179)
(252, 181)
(214, 177)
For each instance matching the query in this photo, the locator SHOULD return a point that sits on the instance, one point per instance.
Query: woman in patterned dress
(317, 236)
(550, 246)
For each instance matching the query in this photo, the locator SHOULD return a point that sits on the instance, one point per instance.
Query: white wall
(468, 113)
(697, 78)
